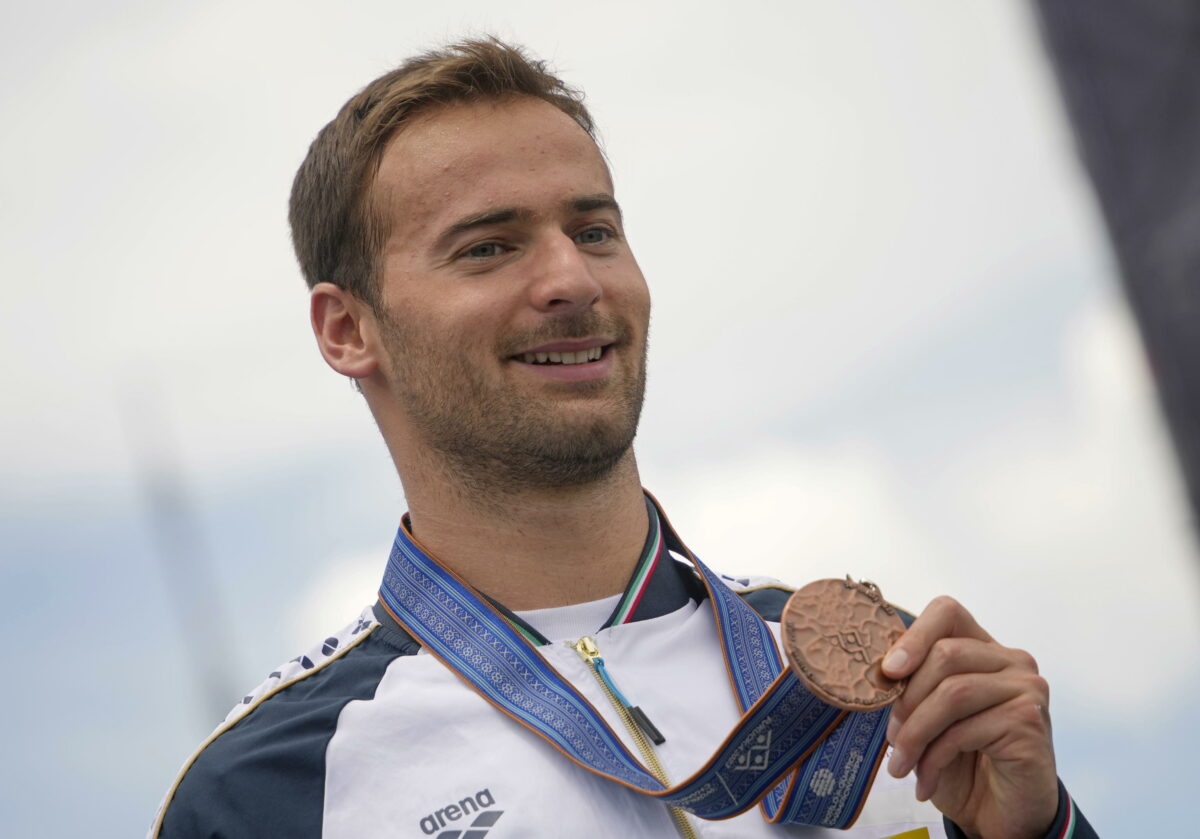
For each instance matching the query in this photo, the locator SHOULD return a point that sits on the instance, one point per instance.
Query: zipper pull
(587, 648)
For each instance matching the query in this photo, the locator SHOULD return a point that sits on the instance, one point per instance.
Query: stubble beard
(498, 439)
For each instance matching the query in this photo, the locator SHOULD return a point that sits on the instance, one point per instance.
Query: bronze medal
(836, 633)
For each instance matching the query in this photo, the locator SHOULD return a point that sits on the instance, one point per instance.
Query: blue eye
(484, 250)
(593, 236)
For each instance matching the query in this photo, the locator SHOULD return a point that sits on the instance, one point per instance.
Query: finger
(948, 657)
(957, 698)
(1017, 730)
(944, 617)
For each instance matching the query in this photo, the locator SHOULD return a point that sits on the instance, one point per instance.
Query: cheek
(442, 307)
(469, 327)
(477, 316)
(632, 294)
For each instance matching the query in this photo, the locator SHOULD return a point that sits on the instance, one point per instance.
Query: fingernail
(895, 660)
(898, 765)
(893, 727)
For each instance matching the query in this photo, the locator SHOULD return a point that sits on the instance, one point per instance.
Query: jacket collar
(658, 585)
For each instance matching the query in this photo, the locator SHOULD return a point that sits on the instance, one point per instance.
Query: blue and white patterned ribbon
(806, 761)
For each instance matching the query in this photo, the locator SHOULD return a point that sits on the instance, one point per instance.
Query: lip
(568, 346)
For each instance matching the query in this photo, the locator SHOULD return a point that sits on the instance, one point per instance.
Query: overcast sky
(887, 341)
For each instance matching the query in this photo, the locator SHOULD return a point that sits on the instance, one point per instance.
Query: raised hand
(974, 721)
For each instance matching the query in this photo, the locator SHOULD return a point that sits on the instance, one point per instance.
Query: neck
(535, 548)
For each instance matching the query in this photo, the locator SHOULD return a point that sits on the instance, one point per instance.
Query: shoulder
(261, 772)
(765, 595)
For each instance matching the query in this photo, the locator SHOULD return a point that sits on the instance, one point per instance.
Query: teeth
(581, 357)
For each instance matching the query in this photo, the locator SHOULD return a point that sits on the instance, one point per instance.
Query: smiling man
(546, 657)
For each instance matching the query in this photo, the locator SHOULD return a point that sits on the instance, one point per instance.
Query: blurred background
(889, 340)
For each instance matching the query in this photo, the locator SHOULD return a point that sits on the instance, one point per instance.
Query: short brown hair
(336, 231)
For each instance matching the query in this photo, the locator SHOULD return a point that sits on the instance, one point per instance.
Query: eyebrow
(599, 201)
(500, 216)
(582, 204)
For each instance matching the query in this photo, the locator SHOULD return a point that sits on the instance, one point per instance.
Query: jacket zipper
(636, 722)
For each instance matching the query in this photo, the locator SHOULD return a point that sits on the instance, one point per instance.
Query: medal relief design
(835, 633)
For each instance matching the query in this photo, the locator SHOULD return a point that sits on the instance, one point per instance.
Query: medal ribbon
(807, 762)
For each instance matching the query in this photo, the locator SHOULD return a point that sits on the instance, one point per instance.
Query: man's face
(514, 315)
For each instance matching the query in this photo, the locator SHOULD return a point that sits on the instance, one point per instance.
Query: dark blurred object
(1130, 74)
(189, 572)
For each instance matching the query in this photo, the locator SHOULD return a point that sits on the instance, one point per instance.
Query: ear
(338, 321)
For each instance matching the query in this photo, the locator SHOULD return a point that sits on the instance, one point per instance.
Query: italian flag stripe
(536, 642)
(1069, 827)
(633, 595)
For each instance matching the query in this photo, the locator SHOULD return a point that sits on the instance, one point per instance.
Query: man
(541, 662)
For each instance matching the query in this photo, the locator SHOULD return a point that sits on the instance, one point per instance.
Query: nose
(563, 278)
